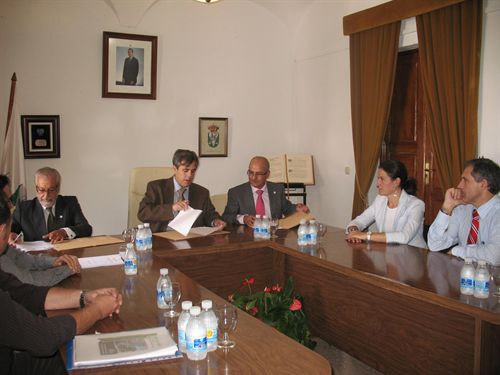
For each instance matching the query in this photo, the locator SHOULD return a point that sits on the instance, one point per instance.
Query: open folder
(110, 349)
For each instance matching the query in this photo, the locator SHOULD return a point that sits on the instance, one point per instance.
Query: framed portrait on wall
(129, 66)
(213, 135)
(40, 136)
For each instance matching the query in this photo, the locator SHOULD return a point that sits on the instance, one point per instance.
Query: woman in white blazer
(398, 214)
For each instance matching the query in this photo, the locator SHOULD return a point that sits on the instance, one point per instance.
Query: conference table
(395, 307)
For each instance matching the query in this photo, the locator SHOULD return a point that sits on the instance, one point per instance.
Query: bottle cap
(163, 271)
(140, 226)
(257, 216)
(312, 221)
(206, 304)
(129, 246)
(302, 221)
(481, 262)
(468, 260)
(195, 310)
(146, 225)
(264, 217)
(186, 305)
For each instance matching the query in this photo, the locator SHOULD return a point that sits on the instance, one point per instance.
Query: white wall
(286, 79)
(230, 59)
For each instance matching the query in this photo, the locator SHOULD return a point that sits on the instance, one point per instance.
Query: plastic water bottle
(196, 336)
(148, 236)
(182, 324)
(130, 261)
(302, 233)
(312, 233)
(265, 228)
(481, 281)
(257, 224)
(163, 289)
(139, 238)
(210, 320)
(467, 277)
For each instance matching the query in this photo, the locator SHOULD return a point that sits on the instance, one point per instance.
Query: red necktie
(474, 228)
(259, 205)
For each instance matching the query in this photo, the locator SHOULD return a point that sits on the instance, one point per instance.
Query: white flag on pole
(12, 163)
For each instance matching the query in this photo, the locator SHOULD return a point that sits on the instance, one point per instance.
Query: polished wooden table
(397, 308)
(259, 348)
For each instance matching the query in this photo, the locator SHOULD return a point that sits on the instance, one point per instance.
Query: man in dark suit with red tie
(258, 197)
(166, 197)
(49, 216)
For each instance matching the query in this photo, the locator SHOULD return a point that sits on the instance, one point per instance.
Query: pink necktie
(474, 228)
(259, 205)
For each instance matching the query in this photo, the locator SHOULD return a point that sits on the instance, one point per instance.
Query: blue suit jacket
(29, 218)
(240, 202)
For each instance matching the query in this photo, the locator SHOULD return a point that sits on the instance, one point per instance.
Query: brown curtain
(373, 55)
(449, 42)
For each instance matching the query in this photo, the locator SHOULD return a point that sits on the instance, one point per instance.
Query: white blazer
(408, 223)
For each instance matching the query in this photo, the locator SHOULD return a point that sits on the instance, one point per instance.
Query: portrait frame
(125, 76)
(40, 136)
(213, 136)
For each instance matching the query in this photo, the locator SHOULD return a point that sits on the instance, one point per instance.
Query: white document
(101, 261)
(204, 231)
(184, 220)
(106, 348)
(34, 246)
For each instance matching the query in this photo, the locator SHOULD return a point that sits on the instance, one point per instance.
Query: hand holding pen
(14, 237)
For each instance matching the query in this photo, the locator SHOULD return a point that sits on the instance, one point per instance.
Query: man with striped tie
(470, 215)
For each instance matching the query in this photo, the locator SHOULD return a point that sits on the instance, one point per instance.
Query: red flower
(254, 310)
(248, 281)
(296, 305)
(276, 288)
(267, 290)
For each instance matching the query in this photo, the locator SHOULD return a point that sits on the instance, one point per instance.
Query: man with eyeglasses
(258, 197)
(49, 216)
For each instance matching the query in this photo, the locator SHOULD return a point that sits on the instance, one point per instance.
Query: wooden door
(406, 137)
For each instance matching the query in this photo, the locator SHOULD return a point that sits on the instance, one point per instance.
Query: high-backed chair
(139, 178)
(219, 201)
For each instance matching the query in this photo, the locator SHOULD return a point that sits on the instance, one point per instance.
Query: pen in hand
(19, 235)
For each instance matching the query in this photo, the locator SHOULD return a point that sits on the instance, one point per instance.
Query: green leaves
(279, 307)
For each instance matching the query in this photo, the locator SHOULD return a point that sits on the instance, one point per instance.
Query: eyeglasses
(255, 174)
(48, 191)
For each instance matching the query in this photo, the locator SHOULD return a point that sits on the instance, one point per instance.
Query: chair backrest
(219, 201)
(139, 178)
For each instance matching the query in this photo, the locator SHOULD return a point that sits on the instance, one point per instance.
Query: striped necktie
(474, 228)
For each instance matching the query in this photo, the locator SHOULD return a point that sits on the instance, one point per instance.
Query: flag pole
(13, 82)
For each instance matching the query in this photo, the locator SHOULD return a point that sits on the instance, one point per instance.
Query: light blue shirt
(447, 231)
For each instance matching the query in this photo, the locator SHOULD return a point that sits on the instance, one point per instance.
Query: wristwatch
(82, 298)
(368, 236)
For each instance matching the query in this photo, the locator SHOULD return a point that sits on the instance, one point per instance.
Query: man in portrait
(130, 69)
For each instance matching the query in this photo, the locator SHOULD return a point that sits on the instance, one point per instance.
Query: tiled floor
(342, 363)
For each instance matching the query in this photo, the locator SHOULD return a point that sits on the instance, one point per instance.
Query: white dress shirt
(447, 231)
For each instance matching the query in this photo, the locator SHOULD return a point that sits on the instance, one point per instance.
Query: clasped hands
(354, 235)
(107, 300)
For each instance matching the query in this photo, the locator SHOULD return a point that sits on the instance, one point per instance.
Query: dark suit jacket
(240, 202)
(29, 218)
(156, 206)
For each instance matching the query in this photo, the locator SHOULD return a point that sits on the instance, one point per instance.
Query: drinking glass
(321, 231)
(228, 317)
(128, 235)
(273, 224)
(171, 303)
(495, 278)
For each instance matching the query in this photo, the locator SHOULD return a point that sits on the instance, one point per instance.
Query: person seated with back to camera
(41, 270)
(398, 214)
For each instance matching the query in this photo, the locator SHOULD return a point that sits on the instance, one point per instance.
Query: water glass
(228, 317)
(171, 303)
(273, 225)
(321, 231)
(128, 235)
(495, 280)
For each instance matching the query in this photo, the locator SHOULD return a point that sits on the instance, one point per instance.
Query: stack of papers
(184, 220)
(109, 349)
